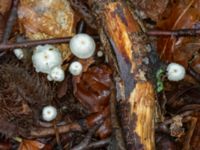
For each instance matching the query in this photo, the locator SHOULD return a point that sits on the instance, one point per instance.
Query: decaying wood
(133, 55)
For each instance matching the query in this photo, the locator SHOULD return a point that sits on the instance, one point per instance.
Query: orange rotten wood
(131, 51)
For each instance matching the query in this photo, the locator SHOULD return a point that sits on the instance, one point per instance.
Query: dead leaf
(30, 145)
(40, 19)
(4, 12)
(182, 15)
(93, 88)
(5, 6)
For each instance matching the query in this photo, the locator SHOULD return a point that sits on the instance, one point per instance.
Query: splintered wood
(128, 43)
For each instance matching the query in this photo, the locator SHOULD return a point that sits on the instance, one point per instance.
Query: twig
(176, 33)
(87, 139)
(193, 73)
(57, 134)
(38, 42)
(81, 27)
(42, 132)
(169, 121)
(10, 22)
(180, 93)
(188, 137)
(98, 144)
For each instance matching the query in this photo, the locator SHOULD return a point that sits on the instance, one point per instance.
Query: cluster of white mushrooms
(82, 46)
(48, 59)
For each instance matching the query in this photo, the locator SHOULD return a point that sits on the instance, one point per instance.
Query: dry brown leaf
(30, 145)
(4, 12)
(5, 6)
(182, 15)
(41, 19)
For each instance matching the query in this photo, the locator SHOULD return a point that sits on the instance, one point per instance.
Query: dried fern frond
(22, 95)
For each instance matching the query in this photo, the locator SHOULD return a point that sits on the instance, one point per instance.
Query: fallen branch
(133, 55)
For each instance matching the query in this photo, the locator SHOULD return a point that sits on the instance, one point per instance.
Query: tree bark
(133, 55)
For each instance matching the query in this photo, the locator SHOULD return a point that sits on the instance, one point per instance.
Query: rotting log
(133, 55)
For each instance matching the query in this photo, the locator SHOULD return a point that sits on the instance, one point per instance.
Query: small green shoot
(159, 82)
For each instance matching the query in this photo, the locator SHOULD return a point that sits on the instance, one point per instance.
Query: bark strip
(132, 53)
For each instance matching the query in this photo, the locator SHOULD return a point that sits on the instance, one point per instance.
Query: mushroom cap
(82, 45)
(100, 53)
(75, 68)
(57, 74)
(175, 72)
(49, 113)
(45, 58)
(19, 53)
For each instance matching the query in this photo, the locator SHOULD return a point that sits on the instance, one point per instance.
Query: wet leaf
(93, 88)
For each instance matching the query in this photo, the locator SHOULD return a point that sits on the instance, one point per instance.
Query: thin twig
(188, 137)
(169, 121)
(57, 134)
(38, 42)
(176, 33)
(81, 26)
(11, 21)
(98, 144)
(193, 73)
(87, 139)
(43, 132)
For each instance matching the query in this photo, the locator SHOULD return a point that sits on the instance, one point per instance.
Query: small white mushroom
(82, 46)
(19, 53)
(45, 58)
(175, 72)
(49, 113)
(99, 53)
(49, 78)
(75, 68)
(56, 74)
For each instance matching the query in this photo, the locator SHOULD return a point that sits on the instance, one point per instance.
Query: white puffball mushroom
(45, 58)
(99, 53)
(56, 74)
(19, 53)
(75, 68)
(82, 45)
(49, 113)
(175, 72)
